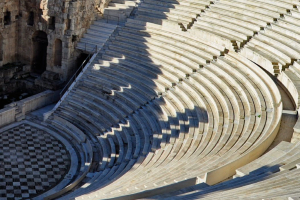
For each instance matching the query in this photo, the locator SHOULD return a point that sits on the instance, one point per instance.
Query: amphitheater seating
(278, 165)
(264, 167)
(179, 12)
(174, 104)
(196, 105)
(248, 26)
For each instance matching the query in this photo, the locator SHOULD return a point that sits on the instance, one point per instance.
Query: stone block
(50, 75)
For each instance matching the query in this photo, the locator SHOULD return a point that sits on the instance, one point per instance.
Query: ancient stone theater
(149, 99)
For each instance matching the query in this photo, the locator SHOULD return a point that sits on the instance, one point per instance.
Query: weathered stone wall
(80, 15)
(72, 18)
(8, 32)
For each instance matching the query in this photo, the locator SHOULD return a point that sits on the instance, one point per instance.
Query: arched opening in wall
(1, 47)
(39, 54)
(57, 52)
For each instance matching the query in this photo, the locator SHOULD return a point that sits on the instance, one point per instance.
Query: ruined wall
(80, 14)
(9, 16)
(63, 22)
(72, 18)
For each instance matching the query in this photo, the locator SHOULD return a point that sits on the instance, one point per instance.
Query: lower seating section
(271, 176)
(84, 148)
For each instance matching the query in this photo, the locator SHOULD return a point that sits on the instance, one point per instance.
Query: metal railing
(73, 78)
(94, 50)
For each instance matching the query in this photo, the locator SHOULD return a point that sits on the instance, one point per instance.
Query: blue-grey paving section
(32, 161)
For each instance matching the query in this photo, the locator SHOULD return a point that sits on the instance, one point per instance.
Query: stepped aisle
(96, 36)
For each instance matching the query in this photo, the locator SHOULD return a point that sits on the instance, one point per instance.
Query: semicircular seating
(176, 103)
(200, 103)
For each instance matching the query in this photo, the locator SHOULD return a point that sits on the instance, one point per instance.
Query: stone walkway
(288, 120)
(31, 162)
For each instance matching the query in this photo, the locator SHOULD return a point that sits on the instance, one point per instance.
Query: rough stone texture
(72, 18)
(31, 162)
(7, 115)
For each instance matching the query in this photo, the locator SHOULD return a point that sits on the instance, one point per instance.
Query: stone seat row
(145, 129)
(280, 38)
(96, 36)
(267, 10)
(83, 148)
(157, 102)
(181, 147)
(108, 88)
(155, 12)
(218, 112)
(104, 83)
(275, 166)
(157, 179)
(263, 46)
(179, 12)
(76, 107)
(290, 78)
(258, 18)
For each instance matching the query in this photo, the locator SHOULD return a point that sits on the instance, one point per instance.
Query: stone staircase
(118, 10)
(96, 36)
(99, 32)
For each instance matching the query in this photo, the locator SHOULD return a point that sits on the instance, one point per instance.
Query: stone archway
(39, 54)
(57, 52)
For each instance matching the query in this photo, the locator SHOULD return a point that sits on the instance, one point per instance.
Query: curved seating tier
(179, 12)
(271, 176)
(264, 31)
(176, 103)
(161, 99)
(84, 151)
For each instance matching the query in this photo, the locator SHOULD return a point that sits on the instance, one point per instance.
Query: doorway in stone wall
(39, 54)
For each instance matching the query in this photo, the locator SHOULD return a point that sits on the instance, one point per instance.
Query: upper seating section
(95, 37)
(264, 31)
(179, 12)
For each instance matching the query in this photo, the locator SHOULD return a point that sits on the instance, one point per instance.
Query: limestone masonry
(176, 99)
(43, 33)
